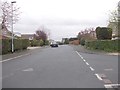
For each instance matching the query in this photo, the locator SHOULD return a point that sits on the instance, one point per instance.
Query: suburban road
(62, 67)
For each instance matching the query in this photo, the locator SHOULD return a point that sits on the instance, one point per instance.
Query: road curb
(115, 54)
(14, 57)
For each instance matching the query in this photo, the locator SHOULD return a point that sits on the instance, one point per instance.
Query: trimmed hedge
(106, 45)
(46, 42)
(36, 42)
(19, 44)
(104, 33)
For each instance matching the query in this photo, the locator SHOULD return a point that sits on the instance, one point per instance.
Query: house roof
(27, 36)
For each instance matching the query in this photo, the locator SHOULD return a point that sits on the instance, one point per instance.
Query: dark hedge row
(104, 33)
(38, 42)
(106, 45)
(19, 44)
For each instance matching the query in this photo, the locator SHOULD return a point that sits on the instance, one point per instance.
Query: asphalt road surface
(62, 67)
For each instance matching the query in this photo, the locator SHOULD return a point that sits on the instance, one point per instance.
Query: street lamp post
(12, 26)
(118, 20)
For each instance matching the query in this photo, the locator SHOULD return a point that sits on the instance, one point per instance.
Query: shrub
(82, 42)
(103, 33)
(41, 42)
(37, 42)
(106, 45)
(0, 46)
(66, 41)
(6, 46)
(25, 43)
(19, 44)
(33, 43)
(46, 42)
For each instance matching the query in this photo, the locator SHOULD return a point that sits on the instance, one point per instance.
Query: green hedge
(36, 42)
(19, 44)
(46, 42)
(106, 45)
(104, 33)
(82, 41)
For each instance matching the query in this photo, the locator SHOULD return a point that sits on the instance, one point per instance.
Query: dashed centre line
(84, 60)
(98, 77)
(101, 77)
(92, 69)
(87, 63)
(78, 54)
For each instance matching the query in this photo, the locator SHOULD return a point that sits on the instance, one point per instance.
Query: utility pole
(12, 26)
(118, 20)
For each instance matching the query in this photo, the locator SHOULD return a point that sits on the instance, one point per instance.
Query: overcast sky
(63, 18)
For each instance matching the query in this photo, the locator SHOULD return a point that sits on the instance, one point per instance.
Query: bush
(46, 42)
(66, 41)
(36, 42)
(106, 45)
(25, 43)
(19, 44)
(104, 33)
(41, 42)
(6, 46)
(82, 42)
(0, 46)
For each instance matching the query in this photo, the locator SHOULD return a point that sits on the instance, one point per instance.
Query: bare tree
(85, 34)
(40, 34)
(113, 16)
(9, 14)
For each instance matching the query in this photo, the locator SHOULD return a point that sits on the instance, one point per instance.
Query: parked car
(54, 44)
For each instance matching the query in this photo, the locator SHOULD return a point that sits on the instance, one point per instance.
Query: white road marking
(82, 57)
(108, 86)
(92, 69)
(97, 75)
(79, 54)
(87, 63)
(14, 58)
(111, 85)
(114, 84)
(28, 69)
(84, 60)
